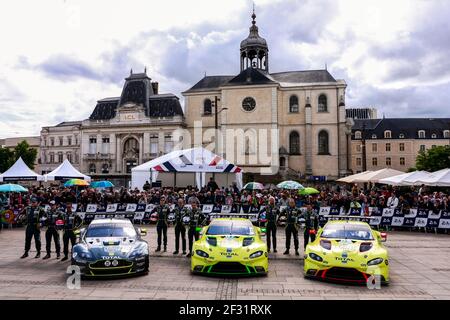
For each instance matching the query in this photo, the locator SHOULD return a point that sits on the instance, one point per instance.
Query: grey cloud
(63, 67)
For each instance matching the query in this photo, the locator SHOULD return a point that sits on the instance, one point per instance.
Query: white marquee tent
(376, 176)
(65, 171)
(439, 178)
(198, 161)
(19, 171)
(353, 177)
(406, 179)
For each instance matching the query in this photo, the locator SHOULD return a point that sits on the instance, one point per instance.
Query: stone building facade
(395, 143)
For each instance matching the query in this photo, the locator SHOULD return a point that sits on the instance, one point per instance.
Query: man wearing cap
(33, 215)
(71, 222)
(162, 211)
(53, 215)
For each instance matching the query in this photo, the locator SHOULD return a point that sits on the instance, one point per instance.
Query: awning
(195, 160)
(376, 176)
(405, 179)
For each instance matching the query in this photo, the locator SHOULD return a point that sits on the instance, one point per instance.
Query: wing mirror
(262, 231)
(383, 236)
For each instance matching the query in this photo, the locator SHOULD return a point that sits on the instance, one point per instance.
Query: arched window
(434, 136)
(446, 134)
(421, 134)
(293, 104)
(323, 142)
(323, 107)
(294, 143)
(387, 134)
(207, 107)
(374, 136)
(92, 168)
(358, 135)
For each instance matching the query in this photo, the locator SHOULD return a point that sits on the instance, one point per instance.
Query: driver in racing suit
(52, 216)
(292, 215)
(311, 224)
(197, 219)
(180, 228)
(162, 211)
(71, 222)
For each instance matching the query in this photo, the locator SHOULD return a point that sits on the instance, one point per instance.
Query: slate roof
(257, 76)
(409, 127)
(159, 105)
(68, 123)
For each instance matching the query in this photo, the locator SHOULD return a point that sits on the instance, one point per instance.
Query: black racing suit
(197, 219)
(311, 223)
(71, 222)
(52, 232)
(292, 215)
(161, 223)
(180, 228)
(272, 214)
(33, 217)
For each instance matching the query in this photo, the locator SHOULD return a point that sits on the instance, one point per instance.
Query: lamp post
(216, 123)
(364, 155)
(216, 119)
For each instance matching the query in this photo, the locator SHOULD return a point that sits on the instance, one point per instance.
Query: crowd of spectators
(331, 195)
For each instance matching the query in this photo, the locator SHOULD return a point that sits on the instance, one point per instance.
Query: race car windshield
(347, 231)
(110, 230)
(238, 229)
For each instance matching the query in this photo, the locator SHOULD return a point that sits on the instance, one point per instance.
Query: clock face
(249, 104)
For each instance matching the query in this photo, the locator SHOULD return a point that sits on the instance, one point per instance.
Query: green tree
(6, 157)
(28, 154)
(434, 159)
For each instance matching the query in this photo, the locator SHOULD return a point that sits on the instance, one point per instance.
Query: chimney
(155, 87)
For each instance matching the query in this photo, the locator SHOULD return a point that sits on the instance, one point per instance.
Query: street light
(216, 118)
(216, 123)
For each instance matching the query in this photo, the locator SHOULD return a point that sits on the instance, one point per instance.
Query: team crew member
(196, 219)
(272, 214)
(52, 216)
(33, 215)
(292, 215)
(180, 228)
(311, 224)
(71, 222)
(161, 224)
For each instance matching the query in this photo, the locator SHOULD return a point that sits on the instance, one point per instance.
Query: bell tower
(254, 49)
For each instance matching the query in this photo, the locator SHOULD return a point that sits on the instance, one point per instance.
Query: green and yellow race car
(347, 251)
(230, 246)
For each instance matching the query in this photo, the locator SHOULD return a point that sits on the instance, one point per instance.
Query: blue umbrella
(102, 184)
(10, 187)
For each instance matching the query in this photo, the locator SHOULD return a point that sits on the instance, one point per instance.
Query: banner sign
(386, 217)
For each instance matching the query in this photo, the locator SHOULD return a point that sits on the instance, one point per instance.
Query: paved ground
(420, 269)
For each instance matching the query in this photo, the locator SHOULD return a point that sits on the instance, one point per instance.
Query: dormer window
(433, 136)
(421, 134)
(374, 136)
(387, 134)
(447, 134)
(401, 136)
(358, 135)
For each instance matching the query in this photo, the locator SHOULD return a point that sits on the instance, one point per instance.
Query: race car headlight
(256, 254)
(81, 255)
(375, 261)
(247, 241)
(202, 253)
(315, 257)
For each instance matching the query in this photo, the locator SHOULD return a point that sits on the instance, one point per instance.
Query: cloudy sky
(58, 57)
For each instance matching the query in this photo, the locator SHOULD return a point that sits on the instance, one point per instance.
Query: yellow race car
(230, 246)
(348, 251)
